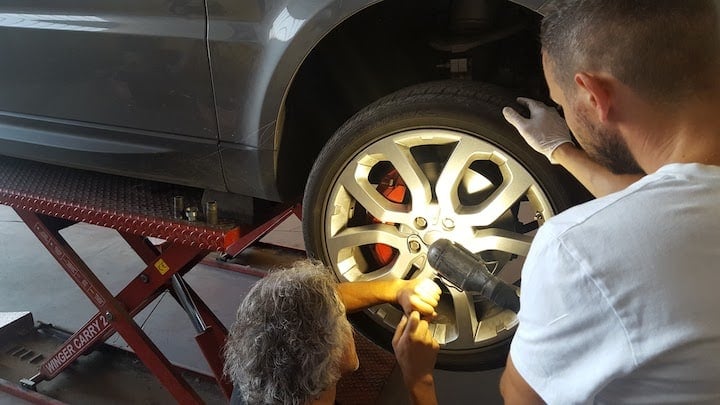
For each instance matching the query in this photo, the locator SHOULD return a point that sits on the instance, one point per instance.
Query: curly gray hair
(287, 343)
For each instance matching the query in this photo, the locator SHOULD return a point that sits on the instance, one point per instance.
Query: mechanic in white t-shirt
(620, 300)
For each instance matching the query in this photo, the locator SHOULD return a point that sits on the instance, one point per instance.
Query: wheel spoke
(403, 161)
(367, 196)
(500, 325)
(367, 235)
(453, 172)
(343, 244)
(425, 270)
(398, 269)
(499, 239)
(462, 334)
(515, 186)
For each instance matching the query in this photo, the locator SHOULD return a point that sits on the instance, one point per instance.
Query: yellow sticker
(161, 266)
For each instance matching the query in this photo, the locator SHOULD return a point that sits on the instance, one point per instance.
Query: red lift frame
(45, 199)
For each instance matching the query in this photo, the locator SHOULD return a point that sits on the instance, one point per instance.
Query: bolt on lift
(50, 198)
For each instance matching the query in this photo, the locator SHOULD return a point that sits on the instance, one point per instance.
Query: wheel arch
(292, 29)
(339, 72)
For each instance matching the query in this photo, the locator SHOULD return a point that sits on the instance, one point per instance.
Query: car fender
(284, 33)
(254, 53)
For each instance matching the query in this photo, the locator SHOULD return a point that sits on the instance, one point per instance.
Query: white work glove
(544, 131)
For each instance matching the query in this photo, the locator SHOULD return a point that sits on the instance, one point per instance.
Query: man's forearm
(363, 294)
(514, 389)
(596, 178)
(423, 392)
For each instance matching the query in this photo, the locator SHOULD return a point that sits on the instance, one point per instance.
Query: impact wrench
(468, 272)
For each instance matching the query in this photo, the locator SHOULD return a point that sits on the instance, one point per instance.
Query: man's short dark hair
(664, 49)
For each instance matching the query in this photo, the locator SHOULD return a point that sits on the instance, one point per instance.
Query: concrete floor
(30, 280)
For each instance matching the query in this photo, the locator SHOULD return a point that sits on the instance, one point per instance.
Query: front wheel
(431, 161)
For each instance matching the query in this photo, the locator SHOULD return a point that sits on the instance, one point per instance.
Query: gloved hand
(544, 131)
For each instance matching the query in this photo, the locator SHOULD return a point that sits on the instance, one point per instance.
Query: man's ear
(596, 92)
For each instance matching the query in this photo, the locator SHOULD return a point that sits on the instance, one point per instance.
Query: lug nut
(414, 246)
(448, 224)
(538, 216)
(420, 223)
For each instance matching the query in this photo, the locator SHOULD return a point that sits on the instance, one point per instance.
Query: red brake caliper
(394, 189)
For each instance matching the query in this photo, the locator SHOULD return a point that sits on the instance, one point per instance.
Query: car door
(115, 85)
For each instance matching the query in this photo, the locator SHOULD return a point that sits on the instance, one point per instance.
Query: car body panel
(133, 63)
(184, 91)
(118, 86)
(149, 155)
(256, 47)
(251, 171)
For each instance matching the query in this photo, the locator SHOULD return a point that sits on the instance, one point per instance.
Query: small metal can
(192, 213)
(211, 212)
(179, 207)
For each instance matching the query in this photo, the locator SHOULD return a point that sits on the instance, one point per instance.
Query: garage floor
(30, 280)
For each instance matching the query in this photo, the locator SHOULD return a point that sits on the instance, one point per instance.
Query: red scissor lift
(49, 198)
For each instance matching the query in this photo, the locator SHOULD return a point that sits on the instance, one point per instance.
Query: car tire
(412, 143)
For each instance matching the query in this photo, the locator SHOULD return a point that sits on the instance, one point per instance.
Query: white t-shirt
(620, 297)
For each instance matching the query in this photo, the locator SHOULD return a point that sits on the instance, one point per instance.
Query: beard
(607, 147)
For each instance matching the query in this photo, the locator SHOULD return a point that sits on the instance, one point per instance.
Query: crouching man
(292, 342)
